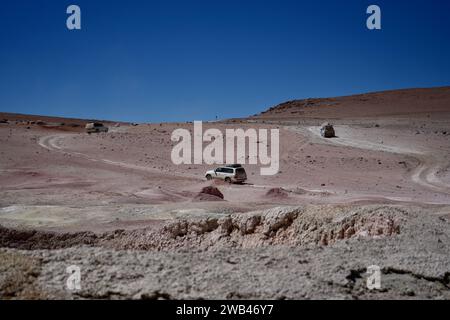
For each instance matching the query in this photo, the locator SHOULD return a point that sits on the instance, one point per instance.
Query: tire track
(425, 174)
(52, 143)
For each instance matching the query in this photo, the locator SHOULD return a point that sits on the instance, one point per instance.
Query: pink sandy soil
(390, 148)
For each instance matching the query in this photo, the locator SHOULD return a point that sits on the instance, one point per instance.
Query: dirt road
(425, 174)
(53, 143)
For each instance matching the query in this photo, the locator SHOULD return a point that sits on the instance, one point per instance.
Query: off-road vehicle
(95, 127)
(228, 173)
(327, 130)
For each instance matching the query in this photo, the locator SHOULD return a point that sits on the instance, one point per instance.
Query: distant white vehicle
(229, 173)
(95, 127)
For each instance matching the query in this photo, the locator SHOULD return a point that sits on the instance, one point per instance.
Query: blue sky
(152, 61)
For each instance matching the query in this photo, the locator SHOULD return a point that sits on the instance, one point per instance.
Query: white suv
(96, 127)
(229, 173)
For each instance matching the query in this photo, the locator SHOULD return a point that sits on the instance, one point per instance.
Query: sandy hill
(48, 122)
(377, 104)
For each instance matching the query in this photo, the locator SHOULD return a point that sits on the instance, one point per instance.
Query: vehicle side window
(219, 170)
(228, 170)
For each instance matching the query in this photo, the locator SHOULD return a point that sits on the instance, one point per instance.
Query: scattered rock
(277, 193)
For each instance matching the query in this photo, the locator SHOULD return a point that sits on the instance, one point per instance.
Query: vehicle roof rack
(233, 165)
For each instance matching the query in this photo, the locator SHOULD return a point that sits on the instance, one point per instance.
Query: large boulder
(277, 193)
(209, 193)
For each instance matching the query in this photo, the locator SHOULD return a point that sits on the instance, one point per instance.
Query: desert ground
(141, 227)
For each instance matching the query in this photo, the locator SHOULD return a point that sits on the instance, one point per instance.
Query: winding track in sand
(52, 143)
(425, 174)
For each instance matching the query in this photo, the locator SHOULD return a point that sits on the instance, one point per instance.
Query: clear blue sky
(151, 61)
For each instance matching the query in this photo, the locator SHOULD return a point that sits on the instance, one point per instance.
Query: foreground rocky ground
(314, 252)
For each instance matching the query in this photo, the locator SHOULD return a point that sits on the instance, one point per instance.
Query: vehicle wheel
(208, 177)
(227, 180)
